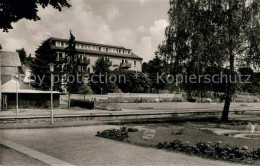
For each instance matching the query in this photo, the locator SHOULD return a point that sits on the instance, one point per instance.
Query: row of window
(94, 48)
(83, 57)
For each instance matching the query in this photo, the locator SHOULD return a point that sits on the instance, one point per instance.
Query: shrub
(216, 151)
(131, 129)
(82, 103)
(116, 134)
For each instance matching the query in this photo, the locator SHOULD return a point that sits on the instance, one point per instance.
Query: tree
(84, 89)
(99, 83)
(40, 67)
(154, 68)
(132, 81)
(12, 11)
(22, 54)
(70, 71)
(211, 33)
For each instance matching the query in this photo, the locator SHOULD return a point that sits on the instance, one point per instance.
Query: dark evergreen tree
(70, 70)
(99, 83)
(40, 67)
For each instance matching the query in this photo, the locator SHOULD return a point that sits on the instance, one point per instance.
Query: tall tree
(212, 33)
(40, 67)
(154, 68)
(70, 70)
(99, 83)
(12, 11)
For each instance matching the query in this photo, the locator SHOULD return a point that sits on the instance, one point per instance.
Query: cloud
(149, 43)
(112, 13)
(143, 1)
(87, 25)
(141, 29)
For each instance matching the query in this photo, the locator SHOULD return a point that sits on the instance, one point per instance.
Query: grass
(190, 134)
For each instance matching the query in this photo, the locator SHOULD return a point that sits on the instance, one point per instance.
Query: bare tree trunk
(229, 90)
(227, 104)
(0, 84)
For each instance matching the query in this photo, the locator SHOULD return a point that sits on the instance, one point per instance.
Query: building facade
(89, 53)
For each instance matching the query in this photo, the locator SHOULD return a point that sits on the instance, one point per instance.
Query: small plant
(214, 151)
(116, 134)
(131, 129)
(178, 132)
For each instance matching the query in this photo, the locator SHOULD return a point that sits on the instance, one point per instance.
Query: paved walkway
(35, 154)
(79, 146)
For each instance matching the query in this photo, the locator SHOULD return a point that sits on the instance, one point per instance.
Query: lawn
(197, 138)
(191, 134)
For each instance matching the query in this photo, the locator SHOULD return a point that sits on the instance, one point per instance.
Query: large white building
(89, 53)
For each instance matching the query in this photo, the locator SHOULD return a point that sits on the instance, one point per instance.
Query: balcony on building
(84, 61)
(125, 65)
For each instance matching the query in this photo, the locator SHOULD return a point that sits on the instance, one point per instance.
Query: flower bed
(116, 134)
(214, 151)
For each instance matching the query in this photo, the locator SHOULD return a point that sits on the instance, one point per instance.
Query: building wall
(32, 100)
(115, 61)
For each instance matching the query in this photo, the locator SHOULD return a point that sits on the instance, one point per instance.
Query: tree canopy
(12, 11)
(216, 34)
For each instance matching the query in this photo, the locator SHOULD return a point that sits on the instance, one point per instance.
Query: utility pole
(0, 84)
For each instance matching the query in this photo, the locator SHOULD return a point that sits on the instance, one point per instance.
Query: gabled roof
(10, 59)
(6, 78)
(6, 70)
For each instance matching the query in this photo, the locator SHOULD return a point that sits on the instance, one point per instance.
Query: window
(99, 48)
(62, 44)
(126, 61)
(119, 51)
(106, 49)
(128, 52)
(134, 63)
(123, 61)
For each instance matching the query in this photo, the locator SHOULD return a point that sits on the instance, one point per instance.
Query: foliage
(12, 11)
(99, 83)
(154, 68)
(214, 151)
(82, 104)
(213, 34)
(71, 62)
(84, 89)
(132, 81)
(117, 134)
(44, 55)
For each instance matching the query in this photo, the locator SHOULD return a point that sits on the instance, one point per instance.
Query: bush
(117, 134)
(214, 151)
(82, 103)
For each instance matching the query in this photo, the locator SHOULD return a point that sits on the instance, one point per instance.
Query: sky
(135, 24)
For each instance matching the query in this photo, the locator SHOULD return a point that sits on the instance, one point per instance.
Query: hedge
(82, 103)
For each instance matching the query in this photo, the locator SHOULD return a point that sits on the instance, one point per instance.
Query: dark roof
(11, 70)
(88, 43)
(10, 59)
(132, 55)
(5, 78)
